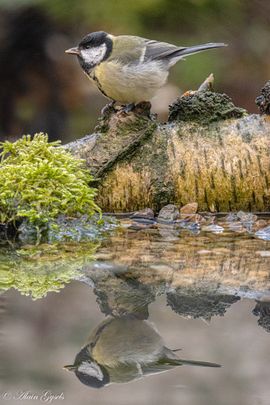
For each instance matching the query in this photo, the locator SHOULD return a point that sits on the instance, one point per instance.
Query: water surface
(206, 293)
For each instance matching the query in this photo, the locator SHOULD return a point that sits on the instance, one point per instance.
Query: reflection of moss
(35, 271)
(200, 304)
(262, 309)
(40, 180)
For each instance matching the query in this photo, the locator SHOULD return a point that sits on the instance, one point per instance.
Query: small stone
(146, 213)
(231, 217)
(188, 209)
(263, 233)
(246, 216)
(195, 218)
(237, 226)
(144, 221)
(213, 228)
(261, 223)
(169, 213)
(209, 219)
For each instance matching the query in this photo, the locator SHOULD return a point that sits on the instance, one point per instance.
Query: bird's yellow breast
(130, 83)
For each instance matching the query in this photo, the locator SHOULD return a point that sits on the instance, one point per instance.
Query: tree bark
(210, 152)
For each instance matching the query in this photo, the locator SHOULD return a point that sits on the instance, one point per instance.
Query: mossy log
(209, 151)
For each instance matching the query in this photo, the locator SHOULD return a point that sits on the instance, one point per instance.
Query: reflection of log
(221, 264)
(200, 276)
(223, 165)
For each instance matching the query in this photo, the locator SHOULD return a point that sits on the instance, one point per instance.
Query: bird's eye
(87, 46)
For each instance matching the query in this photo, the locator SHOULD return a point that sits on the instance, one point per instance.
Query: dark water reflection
(208, 295)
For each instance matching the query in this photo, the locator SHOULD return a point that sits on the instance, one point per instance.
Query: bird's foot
(127, 108)
(108, 109)
(142, 108)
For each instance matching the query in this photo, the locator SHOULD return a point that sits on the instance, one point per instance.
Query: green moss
(204, 107)
(40, 180)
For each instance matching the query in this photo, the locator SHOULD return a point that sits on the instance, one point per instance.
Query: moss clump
(204, 107)
(200, 304)
(40, 180)
(263, 101)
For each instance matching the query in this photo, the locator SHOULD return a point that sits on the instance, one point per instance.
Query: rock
(263, 233)
(144, 221)
(146, 213)
(237, 226)
(231, 217)
(261, 223)
(188, 209)
(246, 216)
(191, 226)
(195, 218)
(168, 213)
(214, 228)
(209, 219)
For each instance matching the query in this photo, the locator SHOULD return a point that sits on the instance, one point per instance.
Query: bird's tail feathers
(180, 362)
(182, 52)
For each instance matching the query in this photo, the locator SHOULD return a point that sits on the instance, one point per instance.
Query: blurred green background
(43, 89)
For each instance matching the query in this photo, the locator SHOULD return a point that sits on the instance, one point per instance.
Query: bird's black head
(93, 49)
(88, 371)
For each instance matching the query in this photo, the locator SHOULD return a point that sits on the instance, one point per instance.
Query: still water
(129, 302)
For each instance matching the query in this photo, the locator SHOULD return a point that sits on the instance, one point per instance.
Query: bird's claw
(128, 108)
(108, 108)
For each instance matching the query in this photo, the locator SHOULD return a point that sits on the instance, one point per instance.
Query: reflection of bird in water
(124, 349)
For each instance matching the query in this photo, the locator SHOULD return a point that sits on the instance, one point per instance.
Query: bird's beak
(70, 367)
(73, 51)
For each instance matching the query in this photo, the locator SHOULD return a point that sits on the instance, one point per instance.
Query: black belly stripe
(99, 85)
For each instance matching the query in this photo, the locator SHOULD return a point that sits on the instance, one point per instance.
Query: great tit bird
(129, 69)
(124, 349)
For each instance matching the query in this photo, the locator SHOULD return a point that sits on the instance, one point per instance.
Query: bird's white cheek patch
(94, 55)
(91, 369)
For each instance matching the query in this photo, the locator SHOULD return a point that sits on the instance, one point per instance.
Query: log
(209, 151)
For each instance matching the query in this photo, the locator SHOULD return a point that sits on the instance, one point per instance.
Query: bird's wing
(127, 49)
(170, 54)
(155, 50)
(130, 49)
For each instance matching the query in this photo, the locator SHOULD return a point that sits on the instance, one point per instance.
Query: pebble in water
(231, 217)
(213, 228)
(188, 209)
(168, 213)
(146, 213)
(263, 233)
(259, 224)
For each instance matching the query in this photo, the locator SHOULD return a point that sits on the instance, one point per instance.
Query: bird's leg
(108, 108)
(128, 107)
